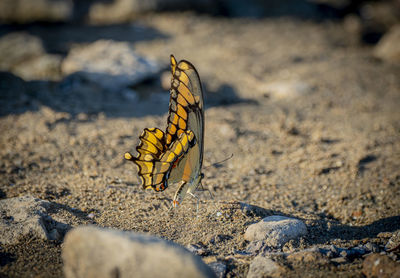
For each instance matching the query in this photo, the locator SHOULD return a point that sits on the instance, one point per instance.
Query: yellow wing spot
(158, 133)
(151, 137)
(184, 141)
(184, 66)
(181, 100)
(186, 93)
(190, 135)
(173, 118)
(146, 180)
(180, 131)
(184, 78)
(173, 64)
(182, 123)
(168, 156)
(148, 147)
(177, 148)
(128, 156)
(182, 112)
(172, 129)
(145, 167)
(147, 157)
(169, 139)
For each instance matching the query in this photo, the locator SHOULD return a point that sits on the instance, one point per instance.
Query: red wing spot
(175, 163)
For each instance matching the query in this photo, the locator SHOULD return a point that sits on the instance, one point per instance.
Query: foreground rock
(382, 266)
(113, 65)
(97, 252)
(388, 47)
(23, 216)
(276, 230)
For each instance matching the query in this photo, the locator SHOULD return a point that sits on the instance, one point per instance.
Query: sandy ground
(311, 118)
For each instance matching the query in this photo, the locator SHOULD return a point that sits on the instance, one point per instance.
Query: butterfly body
(176, 155)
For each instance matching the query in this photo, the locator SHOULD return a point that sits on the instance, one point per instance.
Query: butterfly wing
(186, 113)
(155, 160)
(177, 155)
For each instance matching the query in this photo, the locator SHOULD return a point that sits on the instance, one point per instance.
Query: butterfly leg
(197, 203)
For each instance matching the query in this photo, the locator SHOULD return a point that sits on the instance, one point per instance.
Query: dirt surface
(311, 118)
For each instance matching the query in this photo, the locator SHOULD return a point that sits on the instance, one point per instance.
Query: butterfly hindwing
(153, 165)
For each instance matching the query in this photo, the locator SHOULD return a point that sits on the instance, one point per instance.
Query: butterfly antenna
(219, 162)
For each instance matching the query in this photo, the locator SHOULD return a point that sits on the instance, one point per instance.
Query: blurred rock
(196, 249)
(276, 230)
(381, 266)
(393, 241)
(219, 269)
(24, 11)
(264, 267)
(309, 256)
(125, 10)
(98, 252)
(22, 216)
(113, 65)
(25, 56)
(18, 47)
(388, 48)
(287, 89)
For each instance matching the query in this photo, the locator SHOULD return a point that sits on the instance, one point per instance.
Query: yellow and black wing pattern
(175, 155)
(155, 160)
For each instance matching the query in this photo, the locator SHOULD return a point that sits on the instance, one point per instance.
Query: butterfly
(176, 155)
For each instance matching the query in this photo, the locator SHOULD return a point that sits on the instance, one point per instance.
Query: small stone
(370, 247)
(262, 267)
(339, 260)
(394, 241)
(343, 253)
(196, 249)
(308, 256)
(276, 230)
(376, 265)
(96, 252)
(219, 269)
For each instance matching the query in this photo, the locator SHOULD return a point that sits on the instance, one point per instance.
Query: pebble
(127, 254)
(313, 256)
(196, 249)
(219, 269)
(264, 267)
(276, 230)
(376, 265)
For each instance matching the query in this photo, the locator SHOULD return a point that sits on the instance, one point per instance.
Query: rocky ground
(310, 115)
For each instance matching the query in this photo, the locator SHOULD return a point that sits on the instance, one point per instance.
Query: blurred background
(69, 55)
